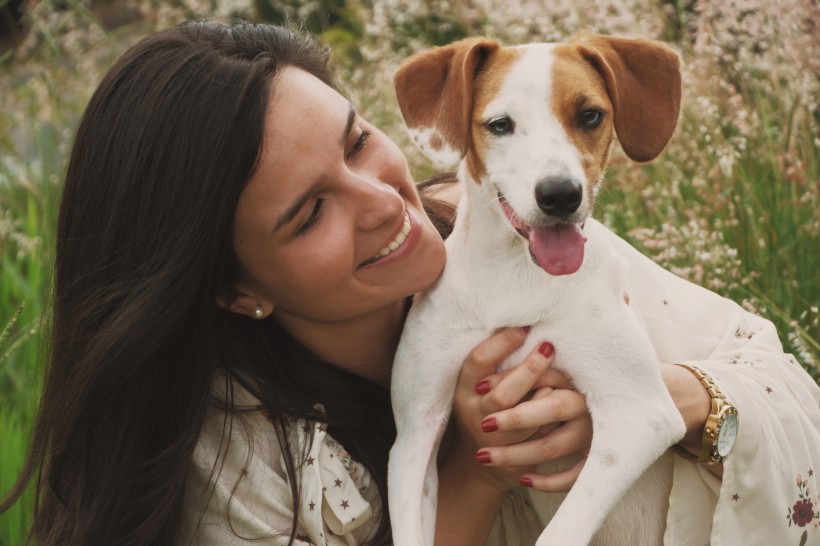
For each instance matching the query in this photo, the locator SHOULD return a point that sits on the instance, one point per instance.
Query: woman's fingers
(545, 408)
(481, 362)
(571, 437)
(533, 414)
(490, 353)
(550, 378)
(517, 383)
(560, 482)
(557, 424)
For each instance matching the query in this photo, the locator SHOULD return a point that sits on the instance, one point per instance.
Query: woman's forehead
(298, 97)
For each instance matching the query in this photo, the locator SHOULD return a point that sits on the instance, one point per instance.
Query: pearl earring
(258, 312)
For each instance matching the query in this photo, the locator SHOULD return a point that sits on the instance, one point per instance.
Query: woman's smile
(398, 242)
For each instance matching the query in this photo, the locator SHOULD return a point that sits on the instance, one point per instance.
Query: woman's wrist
(693, 403)
(468, 500)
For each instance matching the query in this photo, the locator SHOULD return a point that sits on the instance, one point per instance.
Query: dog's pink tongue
(558, 249)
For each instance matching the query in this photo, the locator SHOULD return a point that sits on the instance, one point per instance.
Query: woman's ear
(246, 304)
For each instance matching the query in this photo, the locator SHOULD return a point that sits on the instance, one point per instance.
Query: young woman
(237, 249)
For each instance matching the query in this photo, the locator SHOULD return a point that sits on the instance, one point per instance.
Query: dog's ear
(435, 93)
(644, 83)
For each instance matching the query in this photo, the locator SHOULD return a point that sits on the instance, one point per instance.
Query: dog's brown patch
(435, 90)
(488, 83)
(576, 88)
(643, 80)
(609, 457)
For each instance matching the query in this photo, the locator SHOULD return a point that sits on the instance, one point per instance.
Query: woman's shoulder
(243, 475)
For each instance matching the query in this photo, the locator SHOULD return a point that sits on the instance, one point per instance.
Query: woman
(235, 254)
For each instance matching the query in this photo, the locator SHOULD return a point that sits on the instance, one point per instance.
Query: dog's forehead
(520, 78)
(514, 79)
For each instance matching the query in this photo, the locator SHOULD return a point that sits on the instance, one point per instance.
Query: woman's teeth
(395, 243)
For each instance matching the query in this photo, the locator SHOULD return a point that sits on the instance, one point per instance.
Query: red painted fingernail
(546, 349)
(526, 329)
(489, 424)
(483, 457)
(482, 387)
(525, 481)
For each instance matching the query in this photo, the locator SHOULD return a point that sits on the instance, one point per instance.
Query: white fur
(490, 282)
(540, 145)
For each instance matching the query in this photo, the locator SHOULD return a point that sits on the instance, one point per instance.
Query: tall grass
(28, 190)
(731, 204)
(748, 230)
(42, 92)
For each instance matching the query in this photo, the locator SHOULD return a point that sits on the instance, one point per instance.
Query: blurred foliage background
(732, 204)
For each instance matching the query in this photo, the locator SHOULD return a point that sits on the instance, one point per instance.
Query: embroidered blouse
(768, 494)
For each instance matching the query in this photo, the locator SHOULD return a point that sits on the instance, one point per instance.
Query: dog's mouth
(558, 248)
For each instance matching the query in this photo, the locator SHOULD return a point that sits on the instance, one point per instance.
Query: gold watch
(721, 427)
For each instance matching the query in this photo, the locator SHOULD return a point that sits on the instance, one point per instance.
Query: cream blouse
(768, 495)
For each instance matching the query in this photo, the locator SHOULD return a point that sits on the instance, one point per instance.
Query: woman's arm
(777, 453)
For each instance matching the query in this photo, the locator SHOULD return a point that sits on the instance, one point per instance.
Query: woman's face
(321, 229)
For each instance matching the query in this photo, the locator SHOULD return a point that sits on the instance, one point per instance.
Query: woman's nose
(377, 203)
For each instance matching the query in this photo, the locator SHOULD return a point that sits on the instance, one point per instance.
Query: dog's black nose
(559, 195)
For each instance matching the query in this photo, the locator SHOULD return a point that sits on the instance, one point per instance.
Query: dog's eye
(500, 125)
(590, 119)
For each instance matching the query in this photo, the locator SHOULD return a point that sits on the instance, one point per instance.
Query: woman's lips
(398, 242)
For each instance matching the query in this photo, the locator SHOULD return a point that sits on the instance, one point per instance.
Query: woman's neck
(364, 346)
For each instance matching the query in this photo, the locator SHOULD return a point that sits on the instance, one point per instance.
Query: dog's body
(525, 252)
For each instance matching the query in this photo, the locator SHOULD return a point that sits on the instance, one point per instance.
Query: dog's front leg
(634, 421)
(425, 373)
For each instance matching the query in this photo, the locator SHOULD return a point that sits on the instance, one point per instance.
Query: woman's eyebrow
(351, 117)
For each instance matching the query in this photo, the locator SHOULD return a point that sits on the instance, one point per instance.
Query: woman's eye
(360, 143)
(590, 119)
(500, 125)
(314, 217)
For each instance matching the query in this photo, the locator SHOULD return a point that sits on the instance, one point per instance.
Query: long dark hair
(144, 250)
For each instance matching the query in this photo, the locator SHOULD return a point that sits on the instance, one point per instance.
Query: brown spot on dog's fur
(488, 83)
(577, 87)
(435, 89)
(626, 298)
(643, 81)
(609, 457)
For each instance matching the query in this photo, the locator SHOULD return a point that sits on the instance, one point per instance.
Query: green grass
(763, 211)
(30, 191)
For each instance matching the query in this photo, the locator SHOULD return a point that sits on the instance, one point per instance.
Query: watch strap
(708, 451)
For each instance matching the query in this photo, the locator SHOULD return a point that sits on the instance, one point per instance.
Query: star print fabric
(249, 500)
(327, 479)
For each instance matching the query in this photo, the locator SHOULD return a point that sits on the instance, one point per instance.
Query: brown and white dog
(532, 127)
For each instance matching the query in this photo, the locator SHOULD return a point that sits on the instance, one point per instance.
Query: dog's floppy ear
(435, 93)
(644, 83)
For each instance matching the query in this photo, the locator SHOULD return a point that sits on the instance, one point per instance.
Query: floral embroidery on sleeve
(802, 513)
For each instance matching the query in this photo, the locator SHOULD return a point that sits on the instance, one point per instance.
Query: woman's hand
(516, 419)
(503, 424)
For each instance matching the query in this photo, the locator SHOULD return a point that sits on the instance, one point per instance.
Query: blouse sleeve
(769, 491)
(248, 500)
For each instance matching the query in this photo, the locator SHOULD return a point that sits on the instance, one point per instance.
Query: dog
(531, 128)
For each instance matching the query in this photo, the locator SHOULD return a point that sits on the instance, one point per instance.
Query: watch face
(727, 434)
